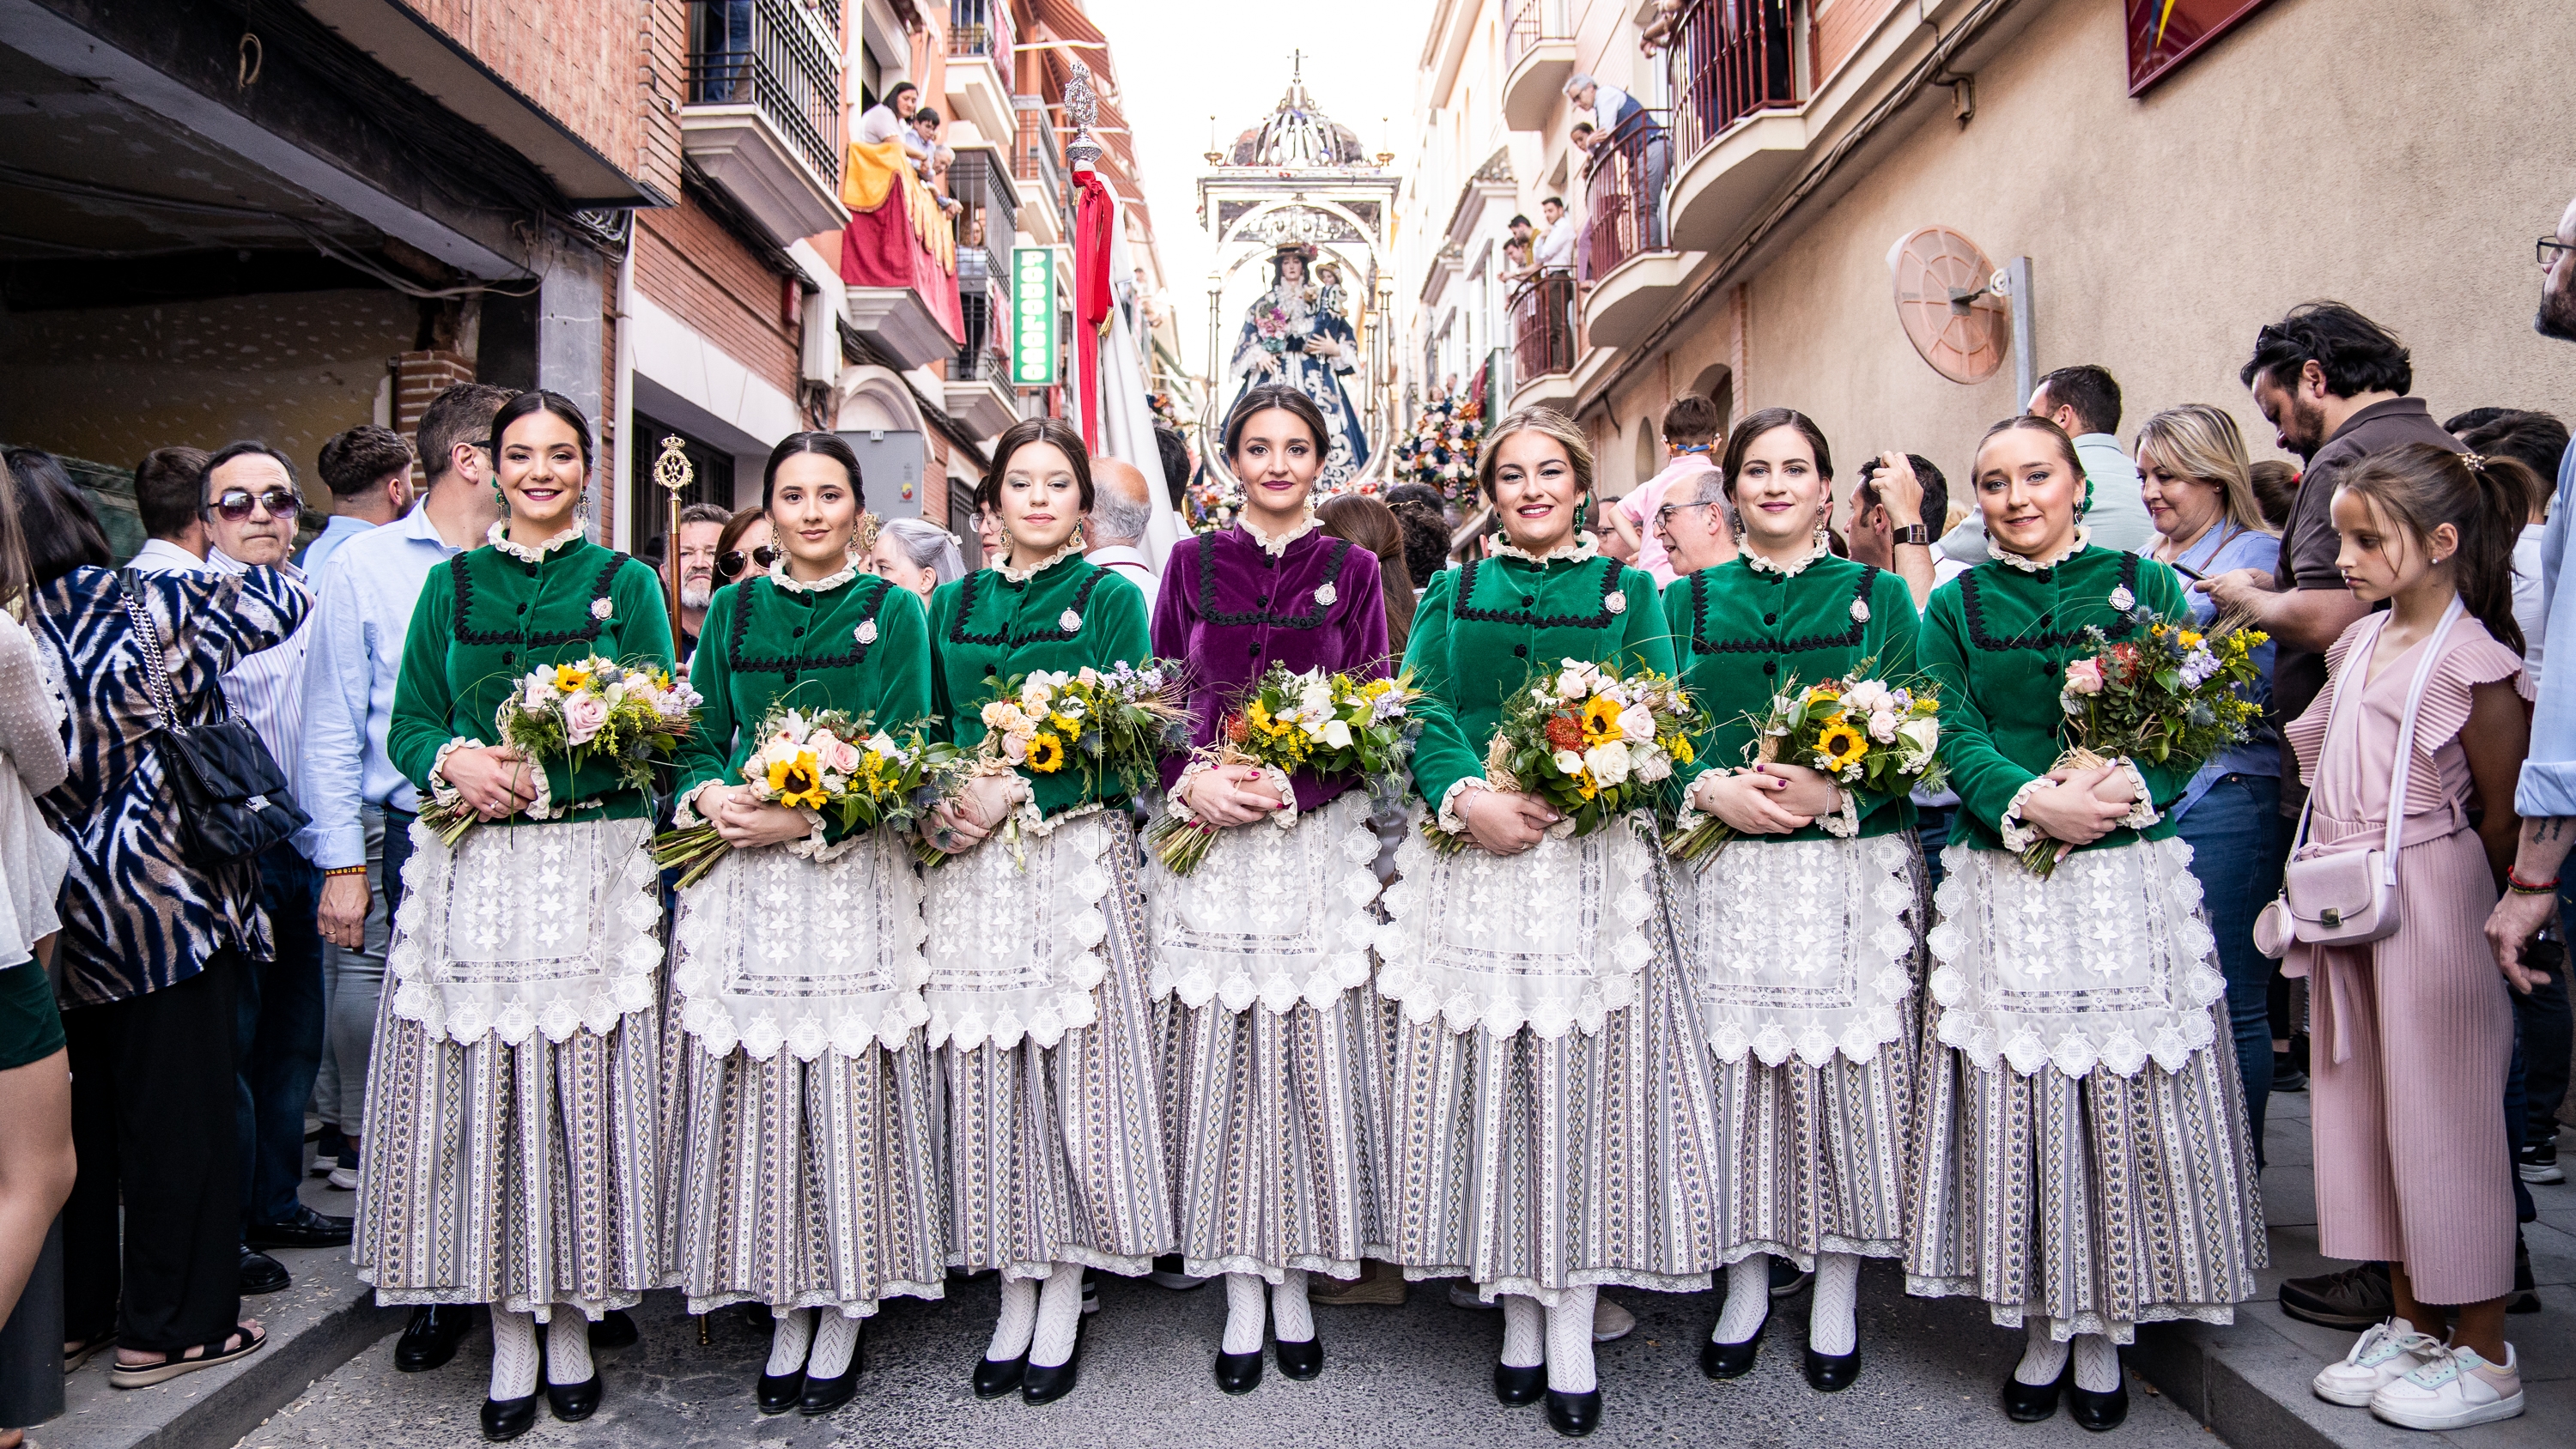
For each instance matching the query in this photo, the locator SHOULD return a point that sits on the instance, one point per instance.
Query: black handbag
(233, 799)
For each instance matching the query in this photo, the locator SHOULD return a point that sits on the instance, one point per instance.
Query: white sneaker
(1610, 1321)
(2387, 1351)
(2453, 1390)
(343, 1179)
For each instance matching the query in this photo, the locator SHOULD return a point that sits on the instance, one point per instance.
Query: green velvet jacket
(1743, 633)
(858, 644)
(988, 627)
(1999, 639)
(1485, 628)
(486, 618)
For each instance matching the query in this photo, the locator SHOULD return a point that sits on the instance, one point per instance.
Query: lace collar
(1761, 565)
(498, 536)
(2011, 560)
(1072, 549)
(1276, 547)
(778, 575)
(1583, 545)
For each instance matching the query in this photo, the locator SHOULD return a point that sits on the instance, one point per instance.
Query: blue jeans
(1932, 828)
(277, 1015)
(2234, 832)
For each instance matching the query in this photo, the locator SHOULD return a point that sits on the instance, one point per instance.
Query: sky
(1180, 63)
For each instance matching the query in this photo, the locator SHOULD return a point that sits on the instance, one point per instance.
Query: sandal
(189, 1360)
(80, 1353)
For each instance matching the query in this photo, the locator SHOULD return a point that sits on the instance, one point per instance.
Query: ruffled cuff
(813, 845)
(2142, 810)
(1176, 799)
(440, 790)
(684, 811)
(1843, 822)
(1449, 798)
(1284, 817)
(2016, 835)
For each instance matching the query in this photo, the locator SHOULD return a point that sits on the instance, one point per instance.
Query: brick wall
(1840, 26)
(577, 59)
(702, 275)
(662, 80)
(419, 377)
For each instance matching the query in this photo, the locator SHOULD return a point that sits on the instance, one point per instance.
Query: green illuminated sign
(1033, 317)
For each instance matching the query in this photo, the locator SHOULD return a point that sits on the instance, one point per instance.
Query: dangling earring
(1077, 540)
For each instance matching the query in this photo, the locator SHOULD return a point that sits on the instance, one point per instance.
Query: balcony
(1738, 124)
(979, 67)
(1538, 54)
(1631, 264)
(763, 113)
(977, 390)
(1037, 164)
(1543, 342)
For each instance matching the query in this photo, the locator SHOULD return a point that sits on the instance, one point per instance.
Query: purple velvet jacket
(1230, 610)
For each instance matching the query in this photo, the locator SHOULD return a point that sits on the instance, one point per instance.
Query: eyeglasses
(730, 562)
(235, 504)
(2549, 248)
(1664, 515)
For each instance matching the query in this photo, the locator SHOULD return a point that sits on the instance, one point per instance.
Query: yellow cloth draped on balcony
(874, 172)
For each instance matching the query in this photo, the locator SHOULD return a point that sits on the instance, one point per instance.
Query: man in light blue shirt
(2085, 401)
(368, 470)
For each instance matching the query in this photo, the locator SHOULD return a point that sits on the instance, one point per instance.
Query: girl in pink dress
(2413, 1032)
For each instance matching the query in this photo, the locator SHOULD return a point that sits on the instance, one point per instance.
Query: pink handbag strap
(2357, 667)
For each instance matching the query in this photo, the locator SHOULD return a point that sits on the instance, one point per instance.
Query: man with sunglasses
(247, 509)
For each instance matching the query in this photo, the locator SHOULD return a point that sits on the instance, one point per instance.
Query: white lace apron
(778, 950)
(2106, 963)
(1551, 938)
(1272, 915)
(1013, 951)
(527, 928)
(1800, 947)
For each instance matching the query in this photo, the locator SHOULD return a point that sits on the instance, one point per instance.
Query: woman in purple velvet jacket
(1275, 1065)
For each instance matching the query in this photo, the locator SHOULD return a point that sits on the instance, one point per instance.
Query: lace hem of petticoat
(2061, 1330)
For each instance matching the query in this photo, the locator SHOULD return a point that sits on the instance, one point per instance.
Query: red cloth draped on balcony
(897, 236)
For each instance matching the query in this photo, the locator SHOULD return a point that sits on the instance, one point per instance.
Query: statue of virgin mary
(1295, 333)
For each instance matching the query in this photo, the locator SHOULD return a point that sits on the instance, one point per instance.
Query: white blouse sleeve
(30, 716)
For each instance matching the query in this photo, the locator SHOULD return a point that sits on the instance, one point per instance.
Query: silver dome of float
(1297, 136)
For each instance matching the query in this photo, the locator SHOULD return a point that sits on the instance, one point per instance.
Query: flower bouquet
(1334, 725)
(827, 762)
(1119, 721)
(1590, 740)
(1276, 330)
(1858, 730)
(2173, 694)
(591, 709)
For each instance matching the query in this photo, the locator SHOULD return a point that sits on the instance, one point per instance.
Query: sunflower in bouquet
(1592, 740)
(631, 717)
(1331, 724)
(1098, 723)
(1859, 731)
(828, 762)
(2171, 694)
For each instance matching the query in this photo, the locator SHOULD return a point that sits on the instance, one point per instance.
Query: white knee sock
(1291, 1317)
(1242, 1313)
(2097, 1363)
(2044, 1359)
(1569, 1343)
(788, 1340)
(1748, 1299)
(1524, 1331)
(514, 1354)
(568, 1348)
(1832, 1321)
(1019, 1319)
(1059, 1317)
(835, 1338)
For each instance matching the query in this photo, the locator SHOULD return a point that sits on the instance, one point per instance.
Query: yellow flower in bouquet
(1591, 740)
(1329, 725)
(1861, 731)
(826, 761)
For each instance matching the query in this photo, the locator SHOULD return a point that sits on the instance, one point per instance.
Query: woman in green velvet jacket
(2086, 1164)
(1551, 1123)
(1801, 936)
(513, 1153)
(802, 1098)
(1039, 997)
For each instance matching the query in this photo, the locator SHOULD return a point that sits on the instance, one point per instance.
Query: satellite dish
(1949, 298)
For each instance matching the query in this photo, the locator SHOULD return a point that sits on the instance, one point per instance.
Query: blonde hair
(1548, 422)
(2200, 442)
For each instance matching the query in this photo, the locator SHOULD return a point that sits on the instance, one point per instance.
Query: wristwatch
(1913, 533)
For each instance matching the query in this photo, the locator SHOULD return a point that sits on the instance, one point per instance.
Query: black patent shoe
(2098, 1412)
(1574, 1415)
(779, 1392)
(508, 1418)
(822, 1396)
(1831, 1373)
(1518, 1386)
(1723, 1361)
(995, 1377)
(1044, 1384)
(573, 1403)
(1238, 1373)
(1300, 1361)
(429, 1340)
(261, 1273)
(2030, 1403)
(613, 1330)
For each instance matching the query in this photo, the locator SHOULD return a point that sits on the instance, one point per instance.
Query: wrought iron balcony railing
(1735, 57)
(775, 55)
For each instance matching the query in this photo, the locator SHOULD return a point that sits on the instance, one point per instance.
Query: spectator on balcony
(885, 120)
(1691, 427)
(1659, 32)
(368, 470)
(936, 158)
(1624, 126)
(1556, 244)
(2085, 402)
(1518, 245)
(1122, 504)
